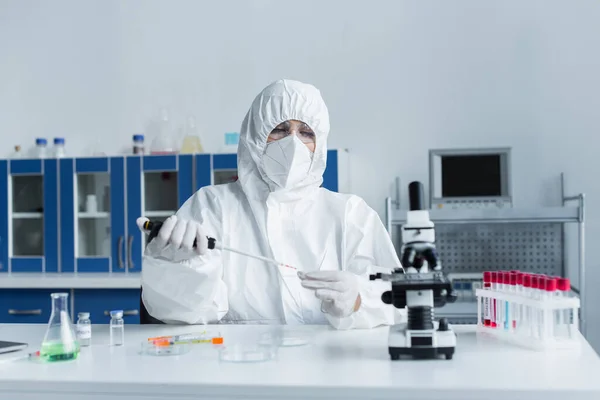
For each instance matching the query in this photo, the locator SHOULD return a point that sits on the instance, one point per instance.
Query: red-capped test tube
(551, 317)
(566, 321)
(487, 285)
(527, 292)
(514, 307)
(494, 305)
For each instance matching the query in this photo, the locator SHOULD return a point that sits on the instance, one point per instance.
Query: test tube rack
(540, 322)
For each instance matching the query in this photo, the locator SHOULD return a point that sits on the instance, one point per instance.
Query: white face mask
(287, 162)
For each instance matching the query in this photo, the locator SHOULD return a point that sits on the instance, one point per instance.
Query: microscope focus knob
(443, 325)
(387, 297)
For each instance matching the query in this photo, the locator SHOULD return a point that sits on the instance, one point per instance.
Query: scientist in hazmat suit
(276, 209)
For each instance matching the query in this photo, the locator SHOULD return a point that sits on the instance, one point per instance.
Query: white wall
(399, 77)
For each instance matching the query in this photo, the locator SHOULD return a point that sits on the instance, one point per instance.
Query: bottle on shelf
(138, 144)
(191, 142)
(17, 153)
(59, 147)
(163, 142)
(40, 150)
(231, 142)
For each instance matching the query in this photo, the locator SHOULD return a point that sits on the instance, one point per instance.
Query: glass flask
(60, 342)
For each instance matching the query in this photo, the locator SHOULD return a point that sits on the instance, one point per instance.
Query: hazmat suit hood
(281, 101)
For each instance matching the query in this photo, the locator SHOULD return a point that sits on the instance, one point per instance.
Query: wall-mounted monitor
(470, 178)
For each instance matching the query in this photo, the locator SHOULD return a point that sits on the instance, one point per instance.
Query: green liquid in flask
(60, 343)
(59, 352)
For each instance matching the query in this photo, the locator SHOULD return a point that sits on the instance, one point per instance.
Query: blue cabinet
(101, 199)
(26, 306)
(92, 223)
(79, 214)
(29, 209)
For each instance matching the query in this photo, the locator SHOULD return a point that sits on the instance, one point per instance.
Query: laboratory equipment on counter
(200, 337)
(6, 347)
(117, 328)
(532, 310)
(420, 285)
(40, 150)
(191, 142)
(138, 144)
(153, 227)
(84, 329)
(60, 342)
(59, 147)
(470, 178)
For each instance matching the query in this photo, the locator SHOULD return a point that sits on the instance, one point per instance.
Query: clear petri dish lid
(247, 353)
(285, 339)
(165, 348)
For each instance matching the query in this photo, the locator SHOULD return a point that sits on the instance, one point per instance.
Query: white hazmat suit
(290, 219)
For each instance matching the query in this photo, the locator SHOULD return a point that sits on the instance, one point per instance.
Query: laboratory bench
(334, 365)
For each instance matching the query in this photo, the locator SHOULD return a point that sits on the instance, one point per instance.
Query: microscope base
(421, 344)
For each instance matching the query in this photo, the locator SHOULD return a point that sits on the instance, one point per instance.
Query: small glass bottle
(117, 328)
(40, 148)
(59, 147)
(138, 144)
(17, 153)
(84, 329)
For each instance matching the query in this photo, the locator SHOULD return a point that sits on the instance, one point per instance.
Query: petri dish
(175, 349)
(247, 353)
(285, 339)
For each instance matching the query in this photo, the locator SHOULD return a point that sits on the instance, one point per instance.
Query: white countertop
(337, 364)
(70, 281)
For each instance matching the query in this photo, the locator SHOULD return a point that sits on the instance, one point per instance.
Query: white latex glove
(337, 290)
(180, 234)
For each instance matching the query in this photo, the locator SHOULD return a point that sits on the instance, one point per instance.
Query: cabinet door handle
(24, 312)
(126, 313)
(129, 246)
(120, 251)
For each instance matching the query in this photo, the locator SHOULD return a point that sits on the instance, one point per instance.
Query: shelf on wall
(504, 215)
(92, 215)
(27, 215)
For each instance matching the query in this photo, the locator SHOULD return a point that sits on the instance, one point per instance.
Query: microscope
(419, 286)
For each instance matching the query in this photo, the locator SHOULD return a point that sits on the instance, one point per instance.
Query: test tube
(550, 315)
(514, 307)
(494, 305)
(506, 308)
(567, 319)
(487, 285)
(526, 320)
(519, 289)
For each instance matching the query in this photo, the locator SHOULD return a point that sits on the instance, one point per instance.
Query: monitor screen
(471, 175)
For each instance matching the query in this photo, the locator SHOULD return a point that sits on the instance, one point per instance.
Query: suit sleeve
(368, 249)
(180, 286)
